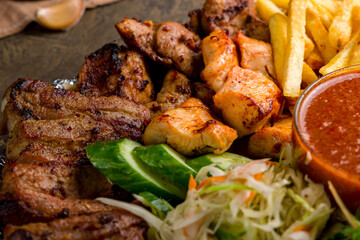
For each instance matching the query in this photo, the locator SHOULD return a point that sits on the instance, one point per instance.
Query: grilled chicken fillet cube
(248, 100)
(168, 43)
(115, 224)
(270, 140)
(116, 71)
(231, 16)
(175, 90)
(255, 55)
(190, 129)
(220, 56)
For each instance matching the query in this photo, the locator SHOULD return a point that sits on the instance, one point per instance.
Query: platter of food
(228, 124)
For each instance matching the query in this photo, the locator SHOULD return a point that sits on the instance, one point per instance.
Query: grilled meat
(116, 71)
(220, 56)
(206, 95)
(255, 55)
(248, 100)
(47, 174)
(190, 129)
(169, 43)
(270, 140)
(230, 16)
(175, 90)
(32, 99)
(115, 224)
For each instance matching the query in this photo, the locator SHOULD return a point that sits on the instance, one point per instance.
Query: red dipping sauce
(327, 133)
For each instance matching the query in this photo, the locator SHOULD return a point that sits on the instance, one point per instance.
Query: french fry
(320, 36)
(278, 33)
(330, 5)
(355, 55)
(325, 16)
(308, 75)
(343, 57)
(282, 3)
(294, 53)
(340, 29)
(309, 46)
(356, 13)
(315, 60)
(266, 8)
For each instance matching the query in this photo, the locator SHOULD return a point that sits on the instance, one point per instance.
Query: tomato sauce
(330, 122)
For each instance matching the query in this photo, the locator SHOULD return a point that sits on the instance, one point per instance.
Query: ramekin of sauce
(326, 132)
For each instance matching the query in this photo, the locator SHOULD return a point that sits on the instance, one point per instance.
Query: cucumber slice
(115, 160)
(167, 162)
(158, 206)
(223, 160)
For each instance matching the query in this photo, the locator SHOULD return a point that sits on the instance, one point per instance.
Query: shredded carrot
(192, 183)
(212, 179)
(257, 177)
(271, 163)
(301, 228)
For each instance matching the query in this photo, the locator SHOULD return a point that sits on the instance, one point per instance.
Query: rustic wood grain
(46, 55)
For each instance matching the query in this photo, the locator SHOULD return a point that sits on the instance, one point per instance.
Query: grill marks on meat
(168, 43)
(115, 224)
(125, 117)
(116, 71)
(176, 89)
(47, 174)
(230, 16)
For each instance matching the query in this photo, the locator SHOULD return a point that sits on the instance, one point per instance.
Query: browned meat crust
(47, 174)
(230, 16)
(116, 71)
(115, 224)
(175, 90)
(169, 43)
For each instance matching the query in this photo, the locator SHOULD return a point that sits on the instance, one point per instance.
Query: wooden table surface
(42, 54)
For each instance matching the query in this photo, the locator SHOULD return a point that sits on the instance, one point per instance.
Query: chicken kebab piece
(47, 174)
(168, 43)
(229, 16)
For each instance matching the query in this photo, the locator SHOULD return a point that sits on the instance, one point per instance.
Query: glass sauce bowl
(326, 132)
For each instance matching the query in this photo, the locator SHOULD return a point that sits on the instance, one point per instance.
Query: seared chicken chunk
(175, 90)
(220, 56)
(47, 174)
(190, 129)
(248, 100)
(231, 16)
(255, 55)
(115, 224)
(206, 95)
(169, 43)
(270, 140)
(116, 71)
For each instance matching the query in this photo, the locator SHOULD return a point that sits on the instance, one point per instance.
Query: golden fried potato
(270, 140)
(315, 60)
(220, 56)
(248, 100)
(190, 129)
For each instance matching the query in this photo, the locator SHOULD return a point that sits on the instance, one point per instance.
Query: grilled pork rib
(47, 174)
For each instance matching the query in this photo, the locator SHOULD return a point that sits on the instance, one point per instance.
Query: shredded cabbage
(280, 203)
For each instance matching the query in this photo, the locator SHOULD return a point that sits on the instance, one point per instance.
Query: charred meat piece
(255, 55)
(220, 56)
(47, 174)
(206, 95)
(176, 89)
(33, 99)
(248, 100)
(230, 16)
(190, 129)
(169, 43)
(271, 140)
(115, 224)
(116, 71)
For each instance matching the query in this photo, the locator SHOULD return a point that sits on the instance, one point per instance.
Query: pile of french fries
(311, 38)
